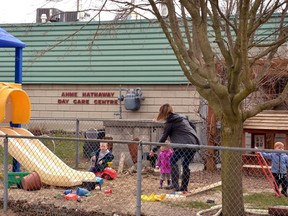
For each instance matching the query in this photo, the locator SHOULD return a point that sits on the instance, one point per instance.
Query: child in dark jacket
(101, 157)
(279, 166)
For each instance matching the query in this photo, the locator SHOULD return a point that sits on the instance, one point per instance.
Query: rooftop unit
(49, 15)
(70, 16)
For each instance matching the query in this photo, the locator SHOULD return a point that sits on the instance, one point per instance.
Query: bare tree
(228, 70)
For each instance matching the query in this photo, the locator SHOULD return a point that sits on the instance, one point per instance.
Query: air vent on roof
(53, 15)
(70, 16)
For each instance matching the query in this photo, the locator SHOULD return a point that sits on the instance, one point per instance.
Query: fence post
(139, 179)
(77, 143)
(5, 198)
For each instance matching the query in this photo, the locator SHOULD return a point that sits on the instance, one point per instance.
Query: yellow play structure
(15, 109)
(14, 104)
(32, 153)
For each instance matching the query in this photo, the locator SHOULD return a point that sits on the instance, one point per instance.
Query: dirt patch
(50, 201)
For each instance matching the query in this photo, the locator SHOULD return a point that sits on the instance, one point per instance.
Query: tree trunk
(231, 168)
(210, 162)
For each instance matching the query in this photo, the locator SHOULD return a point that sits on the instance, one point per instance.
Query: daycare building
(119, 71)
(111, 71)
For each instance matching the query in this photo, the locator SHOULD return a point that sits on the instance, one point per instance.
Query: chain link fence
(54, 179)
(147, 131)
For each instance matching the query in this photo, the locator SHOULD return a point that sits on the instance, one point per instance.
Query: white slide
(35, 156)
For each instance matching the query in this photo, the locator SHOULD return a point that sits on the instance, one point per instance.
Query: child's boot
(161, 184)
(168, 182)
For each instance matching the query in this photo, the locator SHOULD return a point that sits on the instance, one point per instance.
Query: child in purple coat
(164, 164)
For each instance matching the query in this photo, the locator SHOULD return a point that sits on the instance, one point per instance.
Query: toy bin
(15, 178)
(31, 182)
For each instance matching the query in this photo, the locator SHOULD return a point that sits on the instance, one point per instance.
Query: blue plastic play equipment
(9, 41)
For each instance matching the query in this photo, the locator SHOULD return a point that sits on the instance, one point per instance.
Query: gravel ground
(50, 201)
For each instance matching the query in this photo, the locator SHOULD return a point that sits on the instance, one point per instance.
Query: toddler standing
(279, 167)
(164, 164)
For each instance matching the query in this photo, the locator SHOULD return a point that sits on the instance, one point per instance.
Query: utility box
(70, 16)
(52, 14)
(133, 99)
(92, 146)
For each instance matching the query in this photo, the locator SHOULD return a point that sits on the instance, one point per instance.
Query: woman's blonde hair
(164, 111)
(278, 145)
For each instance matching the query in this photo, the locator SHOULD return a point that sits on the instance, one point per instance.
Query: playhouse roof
(8, 40)
(268, 120)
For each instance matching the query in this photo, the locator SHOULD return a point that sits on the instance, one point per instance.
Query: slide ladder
(268, 174)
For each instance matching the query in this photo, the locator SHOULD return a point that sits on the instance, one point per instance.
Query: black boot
(168, 182)
(284, 193)
(185, 181)
(161, 184)
(175, 177)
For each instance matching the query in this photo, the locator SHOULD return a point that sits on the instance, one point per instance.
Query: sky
(24, 11)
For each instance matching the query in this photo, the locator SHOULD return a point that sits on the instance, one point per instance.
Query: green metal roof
(133, 52)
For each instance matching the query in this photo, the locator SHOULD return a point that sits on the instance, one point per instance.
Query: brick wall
(51, 101)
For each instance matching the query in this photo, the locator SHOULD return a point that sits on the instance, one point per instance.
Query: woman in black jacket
(179, 130)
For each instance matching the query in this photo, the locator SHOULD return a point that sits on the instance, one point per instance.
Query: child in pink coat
(164, 164)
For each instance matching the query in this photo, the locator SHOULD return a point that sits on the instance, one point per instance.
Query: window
(259, 141)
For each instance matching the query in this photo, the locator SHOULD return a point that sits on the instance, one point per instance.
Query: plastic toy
(68, 191)
(82, 191)
(99, 180)
(15, 178)
(71, 196)
(153, 197)
(108, 173)
(109, 191)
